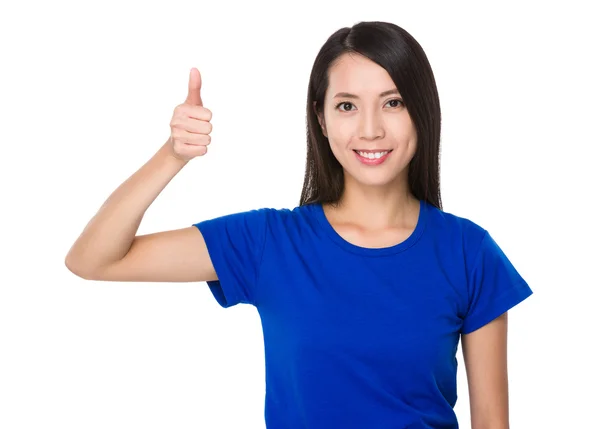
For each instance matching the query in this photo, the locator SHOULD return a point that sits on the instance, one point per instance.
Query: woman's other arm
(485, 355)
(108, 248)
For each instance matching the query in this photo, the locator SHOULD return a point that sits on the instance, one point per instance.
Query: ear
(320, 118)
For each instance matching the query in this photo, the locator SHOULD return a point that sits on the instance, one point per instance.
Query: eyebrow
(348, 95)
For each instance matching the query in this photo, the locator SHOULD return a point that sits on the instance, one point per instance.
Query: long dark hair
(394, 49)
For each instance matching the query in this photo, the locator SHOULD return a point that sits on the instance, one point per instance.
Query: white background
(87, 93)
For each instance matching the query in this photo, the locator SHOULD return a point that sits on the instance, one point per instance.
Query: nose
(371, 126)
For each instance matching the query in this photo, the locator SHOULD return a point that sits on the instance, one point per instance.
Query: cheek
(336, 147)
(340, 128)
(339, 137)
(340, 151)
(407, 137)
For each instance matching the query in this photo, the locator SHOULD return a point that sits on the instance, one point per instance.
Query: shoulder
(472, 241)
(281, 214)
(294, 221)
(267, 216)
(451, 227)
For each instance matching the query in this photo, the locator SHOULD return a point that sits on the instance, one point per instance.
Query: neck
(377, 207)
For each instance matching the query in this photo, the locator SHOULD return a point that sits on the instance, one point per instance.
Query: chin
(372, 179)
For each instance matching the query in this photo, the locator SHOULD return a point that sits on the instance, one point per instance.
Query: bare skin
(369, 236)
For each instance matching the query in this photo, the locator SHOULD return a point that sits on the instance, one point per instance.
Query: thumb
(194, 85)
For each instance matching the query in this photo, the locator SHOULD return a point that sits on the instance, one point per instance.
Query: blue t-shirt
(360, 337)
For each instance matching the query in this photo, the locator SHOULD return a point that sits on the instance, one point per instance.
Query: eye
(345, 103)
(398, 102)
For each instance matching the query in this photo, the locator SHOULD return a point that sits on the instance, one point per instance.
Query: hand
(190, 125)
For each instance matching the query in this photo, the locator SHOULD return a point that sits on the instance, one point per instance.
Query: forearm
(490, 426)
(495, 422)
(109, 234)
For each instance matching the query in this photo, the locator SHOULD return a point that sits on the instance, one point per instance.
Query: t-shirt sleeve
(235, 243)
(494, 286)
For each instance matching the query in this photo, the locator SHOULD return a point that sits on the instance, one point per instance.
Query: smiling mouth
(372, 154)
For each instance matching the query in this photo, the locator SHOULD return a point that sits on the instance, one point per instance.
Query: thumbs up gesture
(190, 125)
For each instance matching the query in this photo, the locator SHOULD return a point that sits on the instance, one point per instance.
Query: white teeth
(372, 155)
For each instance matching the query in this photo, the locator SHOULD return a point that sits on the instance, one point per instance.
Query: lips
(367, 152)
(372, 156)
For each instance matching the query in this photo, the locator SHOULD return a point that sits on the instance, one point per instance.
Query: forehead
(358, 75)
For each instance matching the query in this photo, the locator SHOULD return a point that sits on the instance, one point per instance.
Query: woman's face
(371, 135)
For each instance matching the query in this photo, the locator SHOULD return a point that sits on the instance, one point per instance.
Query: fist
(190, 125)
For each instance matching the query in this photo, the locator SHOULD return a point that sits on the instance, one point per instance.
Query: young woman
(366, 287)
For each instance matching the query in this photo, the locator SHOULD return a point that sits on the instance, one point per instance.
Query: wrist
(167, 155)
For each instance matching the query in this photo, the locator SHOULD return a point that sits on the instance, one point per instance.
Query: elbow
(77, 269)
